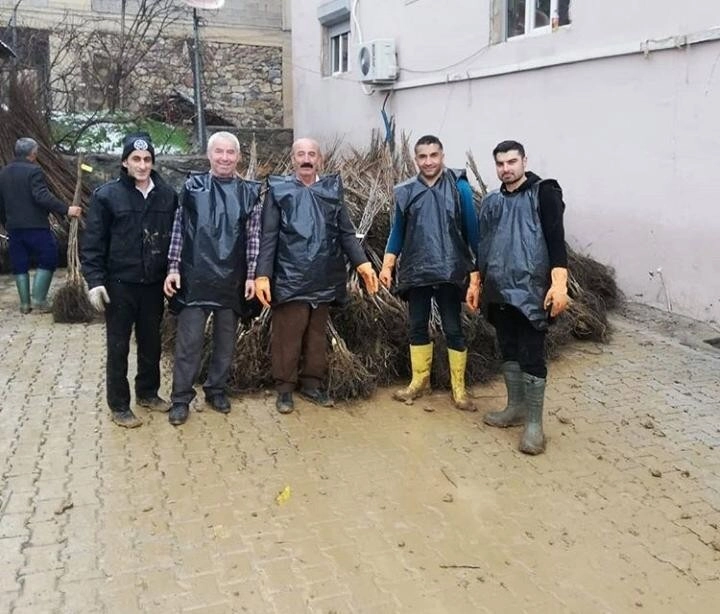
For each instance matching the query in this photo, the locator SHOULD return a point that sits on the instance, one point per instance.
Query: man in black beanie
(124, 261)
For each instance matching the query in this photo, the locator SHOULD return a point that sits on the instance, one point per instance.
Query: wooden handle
(77, 196)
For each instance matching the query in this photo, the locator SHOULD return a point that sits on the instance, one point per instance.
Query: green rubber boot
(22, 282)
(533, 439)
(41, 286)
(515, 411)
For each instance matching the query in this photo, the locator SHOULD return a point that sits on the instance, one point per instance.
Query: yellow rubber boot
(458, 362)
(421, 362)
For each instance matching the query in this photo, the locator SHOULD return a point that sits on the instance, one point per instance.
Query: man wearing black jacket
(25, 202)
(124, 261)
(306, 235)
(523, 268)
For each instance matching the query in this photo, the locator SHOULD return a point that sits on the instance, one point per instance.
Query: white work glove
(98, 297)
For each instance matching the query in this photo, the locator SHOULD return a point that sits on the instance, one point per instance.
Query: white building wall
(632, 137)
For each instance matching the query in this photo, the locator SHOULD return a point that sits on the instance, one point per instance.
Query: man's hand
(386, 272)
(172, 284)
(249, 289)
(472, 297)
(74, 211)
(367, 273)
(262, 290)
(557, 297)
(98, 296)
(386, 277)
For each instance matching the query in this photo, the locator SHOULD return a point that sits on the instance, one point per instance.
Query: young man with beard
(124, 261)
(211, 267)
(306, 234)
(434, 228)
(523, 267)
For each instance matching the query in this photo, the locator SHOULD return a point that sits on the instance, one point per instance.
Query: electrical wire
(389, 122)
(472, 56)
(359, 36)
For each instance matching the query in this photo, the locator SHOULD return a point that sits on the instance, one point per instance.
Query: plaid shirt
(252, 241)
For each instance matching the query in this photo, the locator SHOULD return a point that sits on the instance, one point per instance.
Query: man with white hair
(211, 270)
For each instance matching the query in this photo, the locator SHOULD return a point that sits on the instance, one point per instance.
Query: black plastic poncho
(512, 253)
(310, 264)
(213, 264)
(434, 250)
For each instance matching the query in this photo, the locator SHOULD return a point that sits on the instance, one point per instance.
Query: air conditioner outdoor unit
(378, 63)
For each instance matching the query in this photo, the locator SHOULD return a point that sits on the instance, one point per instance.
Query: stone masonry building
(85, 56)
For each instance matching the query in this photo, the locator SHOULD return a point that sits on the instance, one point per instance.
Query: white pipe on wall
(645, 47)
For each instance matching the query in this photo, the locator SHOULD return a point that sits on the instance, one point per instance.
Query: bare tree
(138, 35)
(102, 53)
(92, 65)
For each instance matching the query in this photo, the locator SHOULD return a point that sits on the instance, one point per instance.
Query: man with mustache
(306, 234)
(434, 227)
(523, 267)
(211, 265)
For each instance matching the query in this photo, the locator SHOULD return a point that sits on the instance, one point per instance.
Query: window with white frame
(334, 17)
(338, 51)
(528, 17)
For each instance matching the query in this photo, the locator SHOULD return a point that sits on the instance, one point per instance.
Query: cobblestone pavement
(391, 508)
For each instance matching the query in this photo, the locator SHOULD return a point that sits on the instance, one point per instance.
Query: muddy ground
(385, 508)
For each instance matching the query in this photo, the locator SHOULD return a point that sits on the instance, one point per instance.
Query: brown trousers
(299, 345)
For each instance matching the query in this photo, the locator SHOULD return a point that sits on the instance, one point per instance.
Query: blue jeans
(29, 245)
(449, 300)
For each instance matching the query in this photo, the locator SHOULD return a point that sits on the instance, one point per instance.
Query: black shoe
(317, 396)
(219, 402)
(154, 403)
(178, 413)
(125, 418)
(284, 402)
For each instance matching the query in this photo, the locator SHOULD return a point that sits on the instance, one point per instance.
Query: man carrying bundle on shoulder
(25, 202)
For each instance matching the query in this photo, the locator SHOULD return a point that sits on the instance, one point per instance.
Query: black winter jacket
(25, 199)
(127, 236)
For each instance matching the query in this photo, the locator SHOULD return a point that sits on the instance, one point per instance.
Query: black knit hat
(139, 141)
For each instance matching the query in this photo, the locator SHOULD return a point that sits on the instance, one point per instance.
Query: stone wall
(245, 81)
(243, 84)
